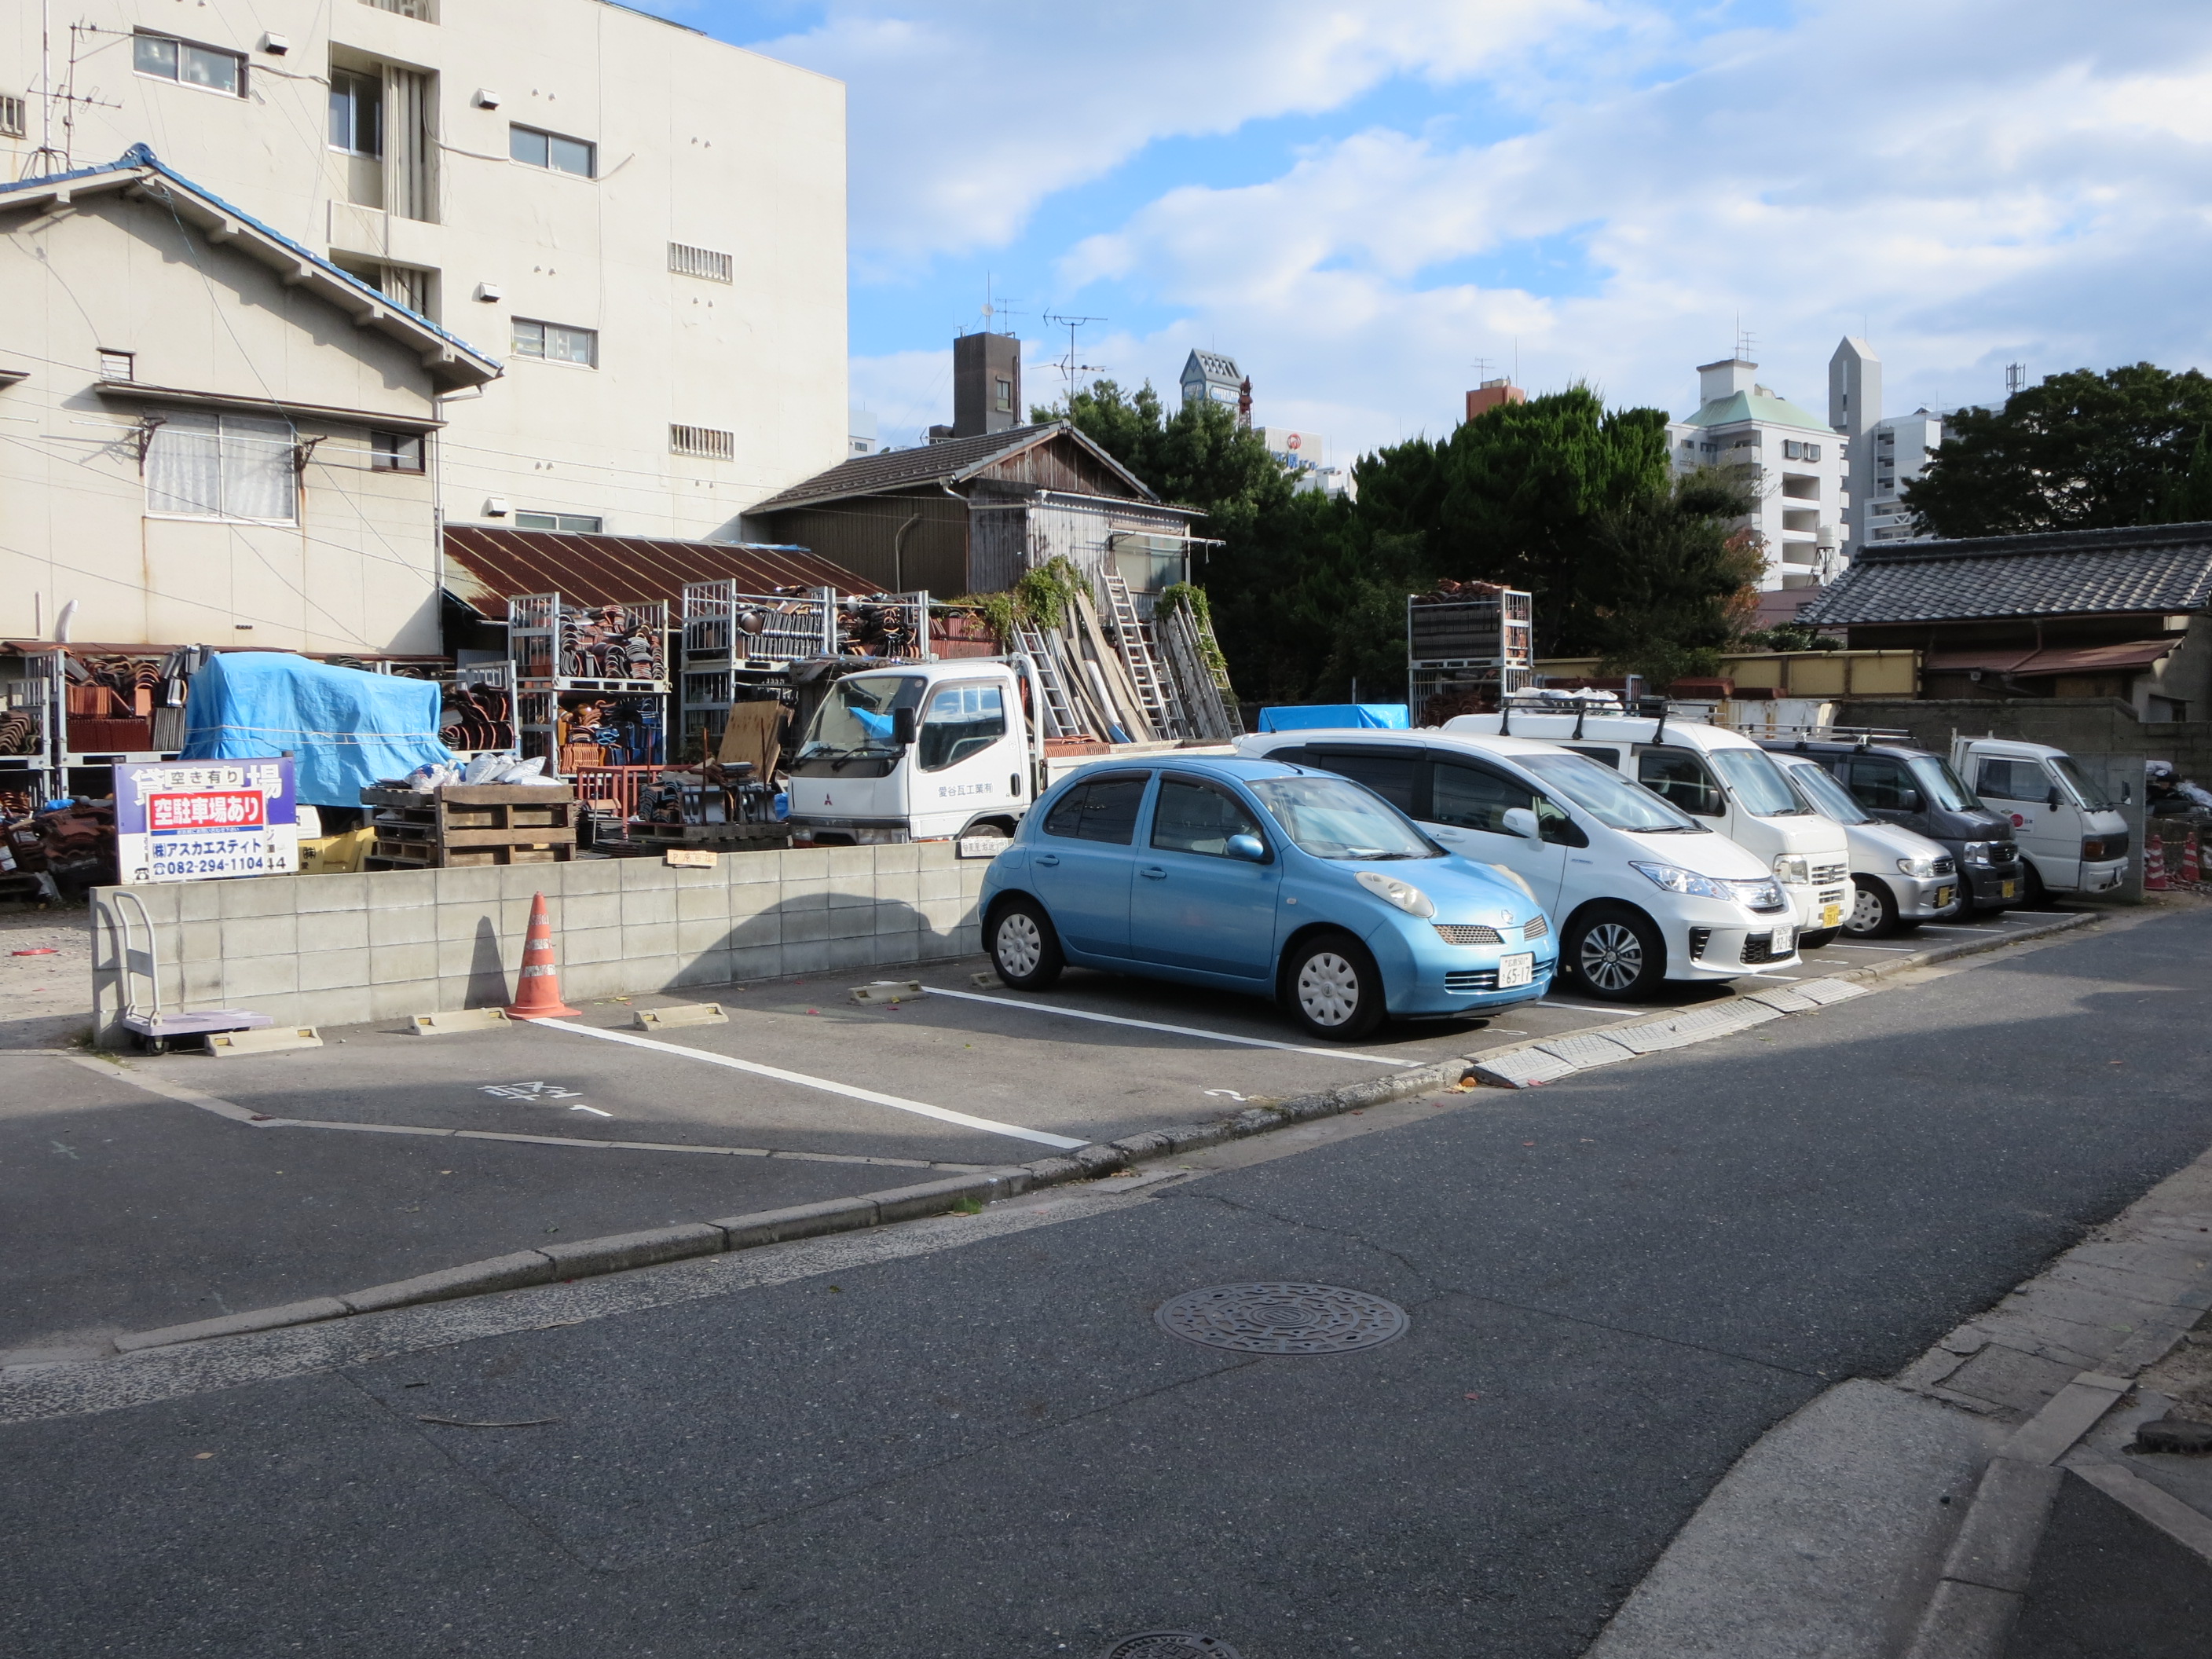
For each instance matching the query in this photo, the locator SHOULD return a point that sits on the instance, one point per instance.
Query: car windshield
(856, 718)
(1942, 786)
(1829, 799)
(2091, 798)
(1756, 781)
(1606, 796)
(1332, 819)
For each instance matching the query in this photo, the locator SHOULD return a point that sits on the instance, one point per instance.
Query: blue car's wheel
(1333, 987)
(1023, 947)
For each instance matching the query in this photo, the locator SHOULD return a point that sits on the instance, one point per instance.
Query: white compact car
(1715, 774)
(1899, 878)
(1642, 893)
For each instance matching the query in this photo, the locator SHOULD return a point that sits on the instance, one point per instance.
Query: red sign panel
(215, 809)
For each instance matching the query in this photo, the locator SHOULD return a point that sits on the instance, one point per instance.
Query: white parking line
(1178, 1031)
(987, 1125)
(1592, 1008)
(1886, 950)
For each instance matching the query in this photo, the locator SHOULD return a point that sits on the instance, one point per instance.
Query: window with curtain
(205, 466)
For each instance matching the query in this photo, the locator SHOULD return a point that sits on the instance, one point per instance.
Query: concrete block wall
(341, 950)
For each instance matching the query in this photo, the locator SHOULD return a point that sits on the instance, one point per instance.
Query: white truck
(929, 751)
(2072, 839)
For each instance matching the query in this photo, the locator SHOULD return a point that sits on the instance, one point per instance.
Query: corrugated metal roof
(485, 566)
(950, 461)
(2152, 568)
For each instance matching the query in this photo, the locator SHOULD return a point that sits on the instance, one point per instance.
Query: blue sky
(1363, 202)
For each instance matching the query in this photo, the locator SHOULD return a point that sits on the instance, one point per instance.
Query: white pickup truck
(2071, 837)
(928, 752)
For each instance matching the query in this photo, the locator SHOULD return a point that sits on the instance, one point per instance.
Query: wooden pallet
(465, 824)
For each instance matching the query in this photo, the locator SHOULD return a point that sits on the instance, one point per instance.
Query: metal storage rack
(557, 646)
(728, 636)
(1478, 640)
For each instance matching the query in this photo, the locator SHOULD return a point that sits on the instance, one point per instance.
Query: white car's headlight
(1675, 879)
(1923, 867)
(1406, 896)
(1791, 869)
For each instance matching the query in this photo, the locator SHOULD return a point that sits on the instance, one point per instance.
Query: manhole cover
(1170, 1644)
(1281, 1319)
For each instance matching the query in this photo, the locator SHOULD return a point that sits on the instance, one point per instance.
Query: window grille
(701, 262)
(13, 118)
(710, 442)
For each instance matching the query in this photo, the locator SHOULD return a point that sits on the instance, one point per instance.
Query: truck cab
(923, 751)
(2072, 839)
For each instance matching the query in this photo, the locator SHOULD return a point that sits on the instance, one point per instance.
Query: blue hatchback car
(1258, 876)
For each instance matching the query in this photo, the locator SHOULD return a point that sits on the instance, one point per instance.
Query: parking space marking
(987, 1125)
(1592, 1008)
(1886, 950)
(1178, 1031)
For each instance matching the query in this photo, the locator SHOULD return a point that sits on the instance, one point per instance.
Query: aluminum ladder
(1156, 697)
(1059, 711)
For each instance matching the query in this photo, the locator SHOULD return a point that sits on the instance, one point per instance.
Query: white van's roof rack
(1862, 736)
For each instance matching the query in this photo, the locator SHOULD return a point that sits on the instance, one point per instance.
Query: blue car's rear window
(1102, 809)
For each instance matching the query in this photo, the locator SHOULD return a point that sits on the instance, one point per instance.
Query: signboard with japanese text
(196, 820)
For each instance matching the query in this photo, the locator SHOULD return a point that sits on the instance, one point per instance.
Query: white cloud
(1978, 178)
(965, 116)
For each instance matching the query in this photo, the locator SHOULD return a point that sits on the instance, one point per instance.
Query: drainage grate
(1170, 1644)
(1282, 1319)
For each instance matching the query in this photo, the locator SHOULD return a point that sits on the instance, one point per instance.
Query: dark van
(1900, 784)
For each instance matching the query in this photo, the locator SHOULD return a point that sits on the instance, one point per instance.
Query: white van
(2072, 840)
(1641, 893)
(1718, 776)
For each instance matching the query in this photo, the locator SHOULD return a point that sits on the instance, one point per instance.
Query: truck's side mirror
(1519, 821)
(1909, 801)
(2053, 798)
(903, 727)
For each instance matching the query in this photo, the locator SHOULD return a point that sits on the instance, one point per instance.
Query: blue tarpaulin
(345, 729)
(1336, 716)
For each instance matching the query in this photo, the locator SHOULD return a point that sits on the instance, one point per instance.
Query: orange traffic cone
(2191, 872)
(2154, 867)
(538, 996)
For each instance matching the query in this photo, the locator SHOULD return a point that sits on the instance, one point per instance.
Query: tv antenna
(1744, 339)
(50, 158)
(994, 305)
(1069, 368)
(2016, 378)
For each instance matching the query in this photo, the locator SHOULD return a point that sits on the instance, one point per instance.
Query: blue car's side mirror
(1250, 848)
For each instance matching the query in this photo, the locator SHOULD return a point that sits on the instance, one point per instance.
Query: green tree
(2080, 450)
(1668, 583)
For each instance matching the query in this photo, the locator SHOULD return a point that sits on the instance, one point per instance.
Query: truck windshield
(856, 718)
(2086, 793)
(1943, 786)
(1606, 796)
(1757, 783)
(1332, 818)
(1830, 798)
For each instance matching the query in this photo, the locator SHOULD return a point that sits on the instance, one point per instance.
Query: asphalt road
(385, 1154)
(1616, 1284)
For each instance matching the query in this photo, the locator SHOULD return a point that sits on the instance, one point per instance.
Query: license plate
(982, 847)
(1944, 895)
(1783, 943)
(1832, 916)
(2006, 888)
(1519, 969)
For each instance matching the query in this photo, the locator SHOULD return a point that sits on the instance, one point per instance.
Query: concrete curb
(1986, 1575)
(619, 1253)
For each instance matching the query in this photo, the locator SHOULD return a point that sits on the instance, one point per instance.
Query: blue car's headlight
(1406, 896)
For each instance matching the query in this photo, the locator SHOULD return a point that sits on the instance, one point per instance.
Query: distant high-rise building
(1491, 393)
(1882, 453)
(1793, 464)
(1209, 376)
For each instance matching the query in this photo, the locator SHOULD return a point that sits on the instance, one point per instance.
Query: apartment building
(644, 225)
(1884, 453)
(1794, 461)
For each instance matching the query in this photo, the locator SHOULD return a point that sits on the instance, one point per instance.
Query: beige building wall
(695, 143)
(359, 569)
